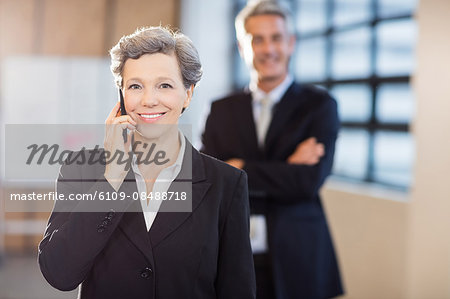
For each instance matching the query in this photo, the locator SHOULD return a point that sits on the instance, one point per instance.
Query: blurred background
(386, 62)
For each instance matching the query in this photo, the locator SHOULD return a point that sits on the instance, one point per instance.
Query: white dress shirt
(258, 227)
(274, 95)
(161, 185)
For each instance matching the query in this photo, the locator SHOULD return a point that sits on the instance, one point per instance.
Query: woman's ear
(187, 101)
(190, 93)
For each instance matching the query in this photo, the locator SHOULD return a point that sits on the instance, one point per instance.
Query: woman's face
(154, 92)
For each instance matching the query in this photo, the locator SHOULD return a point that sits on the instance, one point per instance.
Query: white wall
(369, 231)
(429, 256)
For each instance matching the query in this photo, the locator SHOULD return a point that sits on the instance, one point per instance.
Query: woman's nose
(149, 98)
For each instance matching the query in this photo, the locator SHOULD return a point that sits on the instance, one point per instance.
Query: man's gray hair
(257, 8)
(151, 40)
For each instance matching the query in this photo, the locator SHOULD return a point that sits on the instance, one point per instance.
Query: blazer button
(110, 214)
(146, 273)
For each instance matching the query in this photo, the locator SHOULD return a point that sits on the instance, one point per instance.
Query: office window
(350, 56)
(352, 150)
(362, 51)
(395, 47)
(348, 12)
(310, 62)
(354, 102)
(311, 16)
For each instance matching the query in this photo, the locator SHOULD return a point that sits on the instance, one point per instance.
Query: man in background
(283, 135)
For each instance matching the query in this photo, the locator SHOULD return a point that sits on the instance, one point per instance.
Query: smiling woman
(156, 97)
(149, 243)
(145, 91)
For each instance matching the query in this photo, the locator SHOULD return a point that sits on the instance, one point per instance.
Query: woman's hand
(114, 143)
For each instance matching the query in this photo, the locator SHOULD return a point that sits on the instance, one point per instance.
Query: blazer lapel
(133, 223)
(284, 110)
(245, 121)
(166, 221)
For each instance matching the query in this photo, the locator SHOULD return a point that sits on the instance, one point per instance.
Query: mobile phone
(122, 103)
(123, 112)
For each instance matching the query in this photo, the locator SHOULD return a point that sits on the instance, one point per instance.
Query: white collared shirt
(161, 185)
(258, 226)
(274, 95)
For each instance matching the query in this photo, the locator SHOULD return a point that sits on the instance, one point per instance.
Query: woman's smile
(151, 117)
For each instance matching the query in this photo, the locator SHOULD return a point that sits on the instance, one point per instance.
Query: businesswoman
(155, 246)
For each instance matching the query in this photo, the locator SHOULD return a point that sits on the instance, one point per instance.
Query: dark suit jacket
(300, 246)
(200, 254)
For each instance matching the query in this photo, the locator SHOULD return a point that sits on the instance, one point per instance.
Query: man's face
(267, 46)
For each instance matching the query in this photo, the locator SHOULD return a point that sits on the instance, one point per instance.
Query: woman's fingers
(116, 126)
(128, 126)
(128, 143)
(113, 112)
(115, 117)
(123, 119)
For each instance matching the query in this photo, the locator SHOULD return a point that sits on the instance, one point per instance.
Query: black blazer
(300, 246)
(200, 254)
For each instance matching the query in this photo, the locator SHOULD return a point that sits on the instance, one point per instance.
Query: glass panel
(387, 8)
(310, 59)
(396, 42)
(394, 156)
(395, 103)
(348, 12)
(351, 154)
(353, 102)
(311, 16)
(351, 55)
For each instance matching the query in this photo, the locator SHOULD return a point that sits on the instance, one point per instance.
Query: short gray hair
(257, 8)
(151, 40)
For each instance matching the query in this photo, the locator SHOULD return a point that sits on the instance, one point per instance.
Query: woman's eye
(165, 85)
(134, 86)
